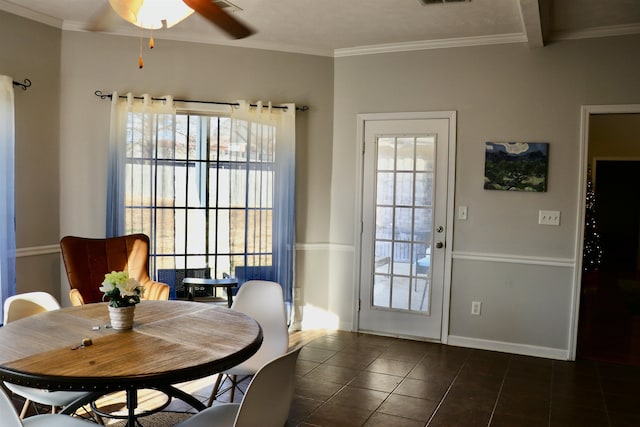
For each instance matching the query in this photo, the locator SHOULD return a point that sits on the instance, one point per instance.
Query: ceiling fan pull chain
(140, 61)
(152, 43)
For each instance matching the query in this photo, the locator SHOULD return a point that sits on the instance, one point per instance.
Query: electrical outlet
(476, 306)
(549, 217)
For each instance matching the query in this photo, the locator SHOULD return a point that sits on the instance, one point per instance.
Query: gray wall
(93, 62)
(32, 50)
(521, 271)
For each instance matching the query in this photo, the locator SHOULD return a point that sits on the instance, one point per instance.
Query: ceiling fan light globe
(150, 14)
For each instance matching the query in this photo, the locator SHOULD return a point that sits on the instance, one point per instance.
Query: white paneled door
(406, 193)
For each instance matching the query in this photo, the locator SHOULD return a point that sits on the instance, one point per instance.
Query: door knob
(439, 245)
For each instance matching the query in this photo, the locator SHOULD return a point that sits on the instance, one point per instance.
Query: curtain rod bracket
(24, 85)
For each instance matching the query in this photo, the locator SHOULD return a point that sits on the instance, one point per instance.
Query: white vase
(122, 317)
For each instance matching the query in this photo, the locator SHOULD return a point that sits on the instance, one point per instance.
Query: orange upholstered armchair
(88, 260)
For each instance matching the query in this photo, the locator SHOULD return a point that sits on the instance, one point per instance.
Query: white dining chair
(23, 305)
(266, 403)
(28, 304)
(263, 301)
(10, 417)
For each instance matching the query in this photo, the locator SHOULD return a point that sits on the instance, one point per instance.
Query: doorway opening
(609, 314)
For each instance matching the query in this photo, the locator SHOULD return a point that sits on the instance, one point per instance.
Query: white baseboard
(507, 347)
(345, 326)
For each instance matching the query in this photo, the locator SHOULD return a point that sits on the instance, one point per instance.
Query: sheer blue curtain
(7, 200)
(136, 125)
(115, 178)
(264, 127)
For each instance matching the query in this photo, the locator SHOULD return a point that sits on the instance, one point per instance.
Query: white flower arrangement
(122, 290)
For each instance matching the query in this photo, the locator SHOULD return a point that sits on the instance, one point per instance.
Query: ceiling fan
(156, 14)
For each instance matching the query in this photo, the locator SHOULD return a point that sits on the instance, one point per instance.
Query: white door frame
(585, 112)
(451, 175)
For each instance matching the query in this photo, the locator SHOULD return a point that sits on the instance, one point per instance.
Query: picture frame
(516, 166)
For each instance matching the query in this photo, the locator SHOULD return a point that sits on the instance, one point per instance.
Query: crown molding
(596, 32)
(30, 14)
(432, 44)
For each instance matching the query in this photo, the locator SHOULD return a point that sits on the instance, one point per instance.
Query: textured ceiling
(353, 27)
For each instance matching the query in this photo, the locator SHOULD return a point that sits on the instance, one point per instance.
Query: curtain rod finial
(24, 85)
(101, 95)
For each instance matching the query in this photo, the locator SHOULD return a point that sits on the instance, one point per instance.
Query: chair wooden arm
(76, 297)
(155, 290)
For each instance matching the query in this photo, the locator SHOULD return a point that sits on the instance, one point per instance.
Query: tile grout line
(361, 370)
(343, 386)
(495, 405)
(604, 400)
(446, 393)
(388, 394)
(395, 388)
(324, 402)
(553, 374)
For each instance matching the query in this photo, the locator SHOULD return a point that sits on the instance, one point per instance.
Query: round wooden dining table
(171, 342)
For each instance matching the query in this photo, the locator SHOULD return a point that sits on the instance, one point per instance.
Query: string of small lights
(592, 256)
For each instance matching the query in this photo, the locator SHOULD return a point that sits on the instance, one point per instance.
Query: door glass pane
(424, 189)
(404, 200)
(385, 188)
(386, 154)
(405, 154)
(404, 188)
(384, 223)
(424, 153)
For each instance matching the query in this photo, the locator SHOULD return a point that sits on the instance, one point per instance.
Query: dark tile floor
(349, 379)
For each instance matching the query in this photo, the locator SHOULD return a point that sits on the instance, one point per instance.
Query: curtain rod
(233, 104)
(24, 85)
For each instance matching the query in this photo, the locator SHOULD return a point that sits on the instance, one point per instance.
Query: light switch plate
(462, 213)
(549, 217)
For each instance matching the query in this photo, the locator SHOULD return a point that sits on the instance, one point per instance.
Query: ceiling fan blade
(220, 18)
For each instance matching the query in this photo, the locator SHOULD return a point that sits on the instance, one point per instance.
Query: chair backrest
(27, 304)
(87, 260)
(264, 301)
(267, 400)
(9, 415)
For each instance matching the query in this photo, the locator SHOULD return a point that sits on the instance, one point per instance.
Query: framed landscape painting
(516, 166)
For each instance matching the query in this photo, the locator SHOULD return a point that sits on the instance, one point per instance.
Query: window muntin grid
(203, 187)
